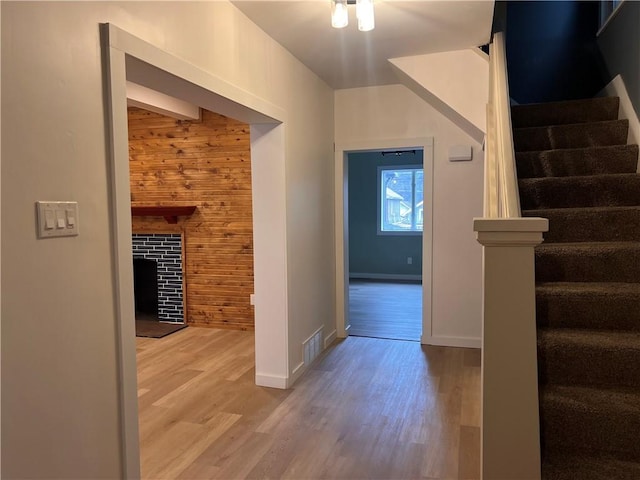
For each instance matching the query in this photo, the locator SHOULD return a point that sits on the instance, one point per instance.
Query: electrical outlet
(409, 260)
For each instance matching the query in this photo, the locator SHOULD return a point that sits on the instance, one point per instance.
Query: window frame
(608, 10)
(381, 169)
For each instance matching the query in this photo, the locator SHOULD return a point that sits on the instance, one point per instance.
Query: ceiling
(348, 58)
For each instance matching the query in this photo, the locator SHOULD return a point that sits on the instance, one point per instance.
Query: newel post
(510, 415)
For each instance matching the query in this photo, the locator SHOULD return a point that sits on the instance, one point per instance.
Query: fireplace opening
(145, 288)
(158, 284)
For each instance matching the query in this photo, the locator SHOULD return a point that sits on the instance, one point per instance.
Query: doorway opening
(384, 230)
(385, 227)
(127, 58)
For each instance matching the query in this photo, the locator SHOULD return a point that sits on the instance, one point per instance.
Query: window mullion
(413, 200)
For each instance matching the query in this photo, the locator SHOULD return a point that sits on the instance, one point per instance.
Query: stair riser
(592, 161)
(588, 226)
(612, 191)
(570, 136)
(573, 429)
(588, 265)
(589, 312)
(591, 110)
(595, 366)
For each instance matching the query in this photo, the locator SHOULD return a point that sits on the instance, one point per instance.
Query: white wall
(154, 101)
(393, 111)
(60, 410)
(456, 83)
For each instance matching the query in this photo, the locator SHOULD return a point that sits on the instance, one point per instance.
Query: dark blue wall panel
(552, 52)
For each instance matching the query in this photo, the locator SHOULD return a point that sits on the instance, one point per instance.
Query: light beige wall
(457, 82)
(394, 112)
(60, 411)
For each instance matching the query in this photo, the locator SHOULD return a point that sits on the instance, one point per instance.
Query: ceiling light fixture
(364, 14)
(339, 14)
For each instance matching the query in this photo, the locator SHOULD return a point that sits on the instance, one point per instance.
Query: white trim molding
(126, 57)
(329, 339)
(342, 223)
(273, 381)
(295, 375)
(445, 341)
(617, 88)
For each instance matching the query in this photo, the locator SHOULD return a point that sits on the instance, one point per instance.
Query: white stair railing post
(510, 422)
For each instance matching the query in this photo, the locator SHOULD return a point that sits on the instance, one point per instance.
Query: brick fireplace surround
(166, 249)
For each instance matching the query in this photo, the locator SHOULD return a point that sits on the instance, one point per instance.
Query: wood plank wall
(206, 163)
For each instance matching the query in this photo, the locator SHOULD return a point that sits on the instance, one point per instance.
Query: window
(607, 10)
(400, 200)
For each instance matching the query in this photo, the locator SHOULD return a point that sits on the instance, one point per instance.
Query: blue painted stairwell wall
(552, 53)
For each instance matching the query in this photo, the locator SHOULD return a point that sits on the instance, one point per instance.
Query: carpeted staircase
(576, 170)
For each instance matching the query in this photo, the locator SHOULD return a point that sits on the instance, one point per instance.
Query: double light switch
(57, 219)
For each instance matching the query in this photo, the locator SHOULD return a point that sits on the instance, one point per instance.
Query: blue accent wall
(369, 252)
(552, 53)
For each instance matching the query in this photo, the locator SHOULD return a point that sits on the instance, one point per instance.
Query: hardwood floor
(385, 309)
(367, 408)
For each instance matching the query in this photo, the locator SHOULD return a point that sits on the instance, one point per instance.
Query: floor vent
(312, 346)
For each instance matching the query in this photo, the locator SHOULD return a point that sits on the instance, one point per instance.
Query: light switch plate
(54, 219)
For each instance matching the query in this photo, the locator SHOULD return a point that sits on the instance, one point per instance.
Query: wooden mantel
(169, 213)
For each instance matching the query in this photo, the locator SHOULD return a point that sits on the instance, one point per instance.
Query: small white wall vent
(312, 346)
(460, 153)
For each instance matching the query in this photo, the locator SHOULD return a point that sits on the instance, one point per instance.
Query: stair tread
(579, 178)
(563, 162)
(588, 357)
(626, 399)
(590, 246)
(603, 421)
(588, 305)
(577, 125)
(588, 288)
(584, 467)
(540, 212)
(560, 103)
(596, 148)
(582, 110)
(588, 261)
(615, 189)
(589, 224)
(596, 339)
(572, 135)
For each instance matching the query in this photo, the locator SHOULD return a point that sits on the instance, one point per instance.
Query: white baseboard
(275, 381)
(272, 381)
(616, 88)
(295, 375)
(461, 342)
(329, 339)
(346, 332)
(384, 276)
